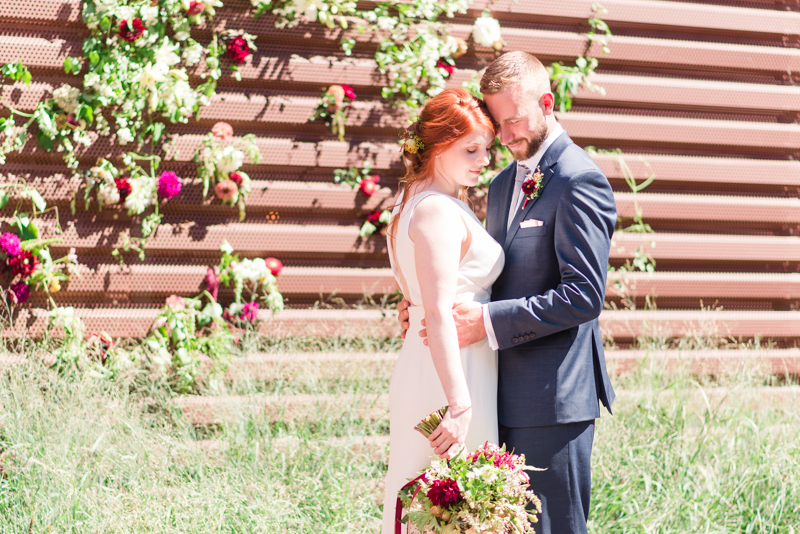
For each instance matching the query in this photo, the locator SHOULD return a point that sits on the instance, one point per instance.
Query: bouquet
(485, 491)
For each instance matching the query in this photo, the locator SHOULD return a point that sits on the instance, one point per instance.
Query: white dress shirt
(531, 163)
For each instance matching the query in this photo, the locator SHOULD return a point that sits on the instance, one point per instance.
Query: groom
(545, 304)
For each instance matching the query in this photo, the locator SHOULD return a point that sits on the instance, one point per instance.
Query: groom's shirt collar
(534, 160)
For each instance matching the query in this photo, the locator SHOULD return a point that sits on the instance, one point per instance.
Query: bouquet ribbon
(398, 507)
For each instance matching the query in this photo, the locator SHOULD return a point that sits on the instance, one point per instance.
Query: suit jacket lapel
(547, 166)
(498, 214)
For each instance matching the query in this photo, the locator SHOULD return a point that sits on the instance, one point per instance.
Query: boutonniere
(532, 187)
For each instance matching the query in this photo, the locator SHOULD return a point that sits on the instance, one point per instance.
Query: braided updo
(445, 118)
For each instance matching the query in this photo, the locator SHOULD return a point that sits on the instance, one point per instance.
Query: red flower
(443, 64)
(23, 264)
(529, 187)
(131, 35)
(195, 8)
(238, 50)
(274, 265)
(348, 92)
(374, 217)
(368, 186)
(444, 493)
(236, 178)
(124, 188)
(18, 293)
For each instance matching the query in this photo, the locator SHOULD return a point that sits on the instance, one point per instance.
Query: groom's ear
(549, 102)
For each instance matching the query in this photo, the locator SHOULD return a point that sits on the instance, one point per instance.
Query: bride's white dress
(415, 389)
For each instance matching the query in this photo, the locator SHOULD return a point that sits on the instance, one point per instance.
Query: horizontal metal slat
(710, 208)
(708, 247)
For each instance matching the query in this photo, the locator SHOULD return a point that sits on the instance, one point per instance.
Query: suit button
(515, 340)
(533, 336)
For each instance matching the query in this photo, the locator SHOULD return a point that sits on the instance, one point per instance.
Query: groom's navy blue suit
(544, 311)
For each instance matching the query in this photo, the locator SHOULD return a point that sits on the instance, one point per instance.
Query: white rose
(181, 36)
(486, 31)
(140, 197)
(108, 194)
(229, 160)
(166, 54)
(124, 136)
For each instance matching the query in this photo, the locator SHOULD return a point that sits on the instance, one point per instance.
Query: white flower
(486, 31)
(124, 12)
(226, 247)
(386, 23)
(184, 94)
(192, 54)
(309, 8)
(229, 160)
(150, 75)
(149, 14)
(124, 136)
(140, 197)
(66, 97)
(166, 54)
(252, 270)
(488, 473)
(181, 36)
(108, 194)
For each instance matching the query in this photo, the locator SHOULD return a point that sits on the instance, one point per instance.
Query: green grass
(81, 455)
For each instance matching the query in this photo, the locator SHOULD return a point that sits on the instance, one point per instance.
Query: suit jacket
(546, 302)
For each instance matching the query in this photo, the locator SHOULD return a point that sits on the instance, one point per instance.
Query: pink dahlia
(169, 185)
(238, 50)
(348, 92)
(211, 281)
(131, 35)
(222, 130)
(443, 64)
(18, 293)
(9, 243)
(23, 264)
(249, 312)
(123, 187)
(226, 190)
(274, 265)
(195, 8)
(444, 493)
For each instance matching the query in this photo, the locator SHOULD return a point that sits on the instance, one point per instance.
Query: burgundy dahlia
(123, 187)
(529, 187)
(9, 244)
(131, 35)
(444, 493)
(23, 264)
(195, 8)
(169, 185)
(18, 293)
(348, 92)
(442, 64)
(238, 50)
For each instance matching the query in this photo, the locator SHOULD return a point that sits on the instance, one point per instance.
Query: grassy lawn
(82, 455)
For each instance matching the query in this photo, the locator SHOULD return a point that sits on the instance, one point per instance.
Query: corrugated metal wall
(707, 93)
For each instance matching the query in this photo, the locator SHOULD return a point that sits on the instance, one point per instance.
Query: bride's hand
(449, 437)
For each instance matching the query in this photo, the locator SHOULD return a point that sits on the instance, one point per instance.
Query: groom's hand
(469, 323)
(402, 317)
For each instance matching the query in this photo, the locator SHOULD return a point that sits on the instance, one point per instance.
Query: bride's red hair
(444, 119)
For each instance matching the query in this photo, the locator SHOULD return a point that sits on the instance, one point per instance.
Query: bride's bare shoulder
(436, 215)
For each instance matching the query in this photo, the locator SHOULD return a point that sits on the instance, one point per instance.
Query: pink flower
(71, 120)
(18, 293)
(274, 265)
(368, 186)
(249, 312)
(123, 187)
(226, 190)
(238, 50)
(168, 184)
(23, 264)
(444, 493)
(348, 92)
(195, 8)
(176, 303)
(131, 35)
(443, 64)
(236, 178)
(211, 281)
(222, 130)
(9, 243)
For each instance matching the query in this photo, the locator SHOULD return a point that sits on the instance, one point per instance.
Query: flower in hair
(414, 144)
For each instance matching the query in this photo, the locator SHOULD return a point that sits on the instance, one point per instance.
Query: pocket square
(531, 222)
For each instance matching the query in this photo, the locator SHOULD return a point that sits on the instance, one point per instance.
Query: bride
(440, 253)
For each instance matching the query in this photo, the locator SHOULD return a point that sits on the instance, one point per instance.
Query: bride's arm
(438, 232)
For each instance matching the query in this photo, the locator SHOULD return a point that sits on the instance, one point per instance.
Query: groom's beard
(530, 146)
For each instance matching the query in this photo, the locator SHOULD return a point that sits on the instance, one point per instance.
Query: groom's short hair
(515, 68)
